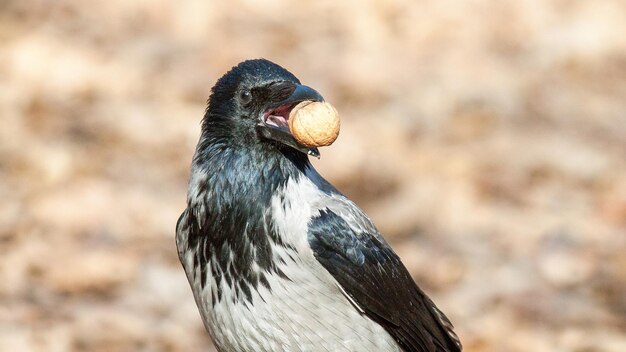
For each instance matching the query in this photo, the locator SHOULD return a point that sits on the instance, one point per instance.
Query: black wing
(373, 276)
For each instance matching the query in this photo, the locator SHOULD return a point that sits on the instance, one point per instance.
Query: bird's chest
(301, 309)
(273, 295)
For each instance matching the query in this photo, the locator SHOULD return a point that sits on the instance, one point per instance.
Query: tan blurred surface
(487, 139)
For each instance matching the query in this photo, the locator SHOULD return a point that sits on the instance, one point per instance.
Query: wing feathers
(374, 278)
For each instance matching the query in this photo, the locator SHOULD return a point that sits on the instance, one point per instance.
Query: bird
(277, 258)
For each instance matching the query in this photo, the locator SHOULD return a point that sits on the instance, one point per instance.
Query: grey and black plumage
(277, 258)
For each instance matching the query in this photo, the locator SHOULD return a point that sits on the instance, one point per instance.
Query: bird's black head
(251, 104)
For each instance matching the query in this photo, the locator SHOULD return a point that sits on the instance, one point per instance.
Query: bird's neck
(247, 163)
(230, 194)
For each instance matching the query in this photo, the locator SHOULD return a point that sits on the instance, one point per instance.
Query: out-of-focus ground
(487, 139)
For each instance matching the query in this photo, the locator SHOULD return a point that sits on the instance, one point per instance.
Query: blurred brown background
(487, 139)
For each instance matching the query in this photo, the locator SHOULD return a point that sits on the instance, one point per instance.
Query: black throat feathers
(228, 220)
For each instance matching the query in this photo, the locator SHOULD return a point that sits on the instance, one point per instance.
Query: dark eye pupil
(245, 96)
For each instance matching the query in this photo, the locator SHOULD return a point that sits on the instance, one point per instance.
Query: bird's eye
(245, 96)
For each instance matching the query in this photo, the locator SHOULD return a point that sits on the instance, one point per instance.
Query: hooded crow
(277, 258)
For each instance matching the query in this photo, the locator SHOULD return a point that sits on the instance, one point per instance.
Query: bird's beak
(274, 124)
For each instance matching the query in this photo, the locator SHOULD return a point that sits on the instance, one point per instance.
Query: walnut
(314, 124)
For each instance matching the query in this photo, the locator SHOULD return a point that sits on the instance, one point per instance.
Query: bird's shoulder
(372, 276)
